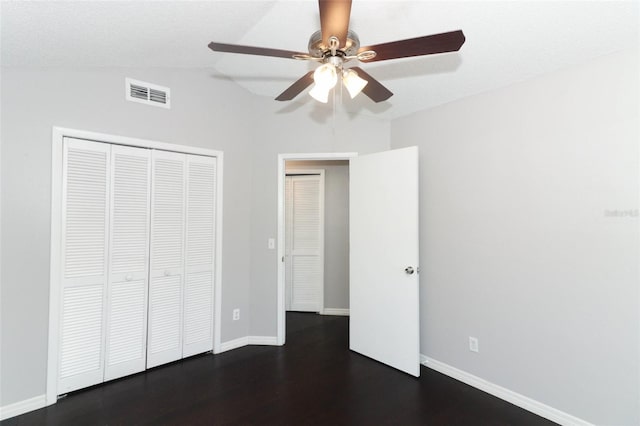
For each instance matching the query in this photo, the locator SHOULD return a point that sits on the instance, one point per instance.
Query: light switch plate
(272, 243)
(473, 344)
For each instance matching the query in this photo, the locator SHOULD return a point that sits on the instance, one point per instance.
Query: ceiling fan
(335, 45)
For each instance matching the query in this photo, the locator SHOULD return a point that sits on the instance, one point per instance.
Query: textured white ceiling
(506, 41)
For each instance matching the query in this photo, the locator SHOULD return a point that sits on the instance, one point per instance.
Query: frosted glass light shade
(320, 94)
(325, 76)
(353, 82)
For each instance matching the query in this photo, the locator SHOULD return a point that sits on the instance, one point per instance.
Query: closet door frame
(55, 284)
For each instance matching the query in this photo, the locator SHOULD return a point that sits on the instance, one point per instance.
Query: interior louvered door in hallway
(85, 217)
(304, 266)
(167, 258)
(126, 338)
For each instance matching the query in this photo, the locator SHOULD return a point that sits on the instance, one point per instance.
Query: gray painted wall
(336, 229)
(518, 244)
(311, 129)
(33, 102)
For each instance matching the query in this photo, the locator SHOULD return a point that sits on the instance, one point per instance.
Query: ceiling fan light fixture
(353, 82)
(320, 94)
(325, 76)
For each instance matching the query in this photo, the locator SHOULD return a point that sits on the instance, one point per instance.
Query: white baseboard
(510, 396)
(248, 340)
(335, 311)
(234, 344)
(22, 407)
(263, 340)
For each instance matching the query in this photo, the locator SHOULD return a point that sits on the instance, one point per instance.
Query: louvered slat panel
(81, 343)
(198, 304)
(201, 184)
(130, 212)
(200, 253)
(168, 211)
(85, 212)
(127, 325)
(306, 276)
(165, 314)
(306, 214)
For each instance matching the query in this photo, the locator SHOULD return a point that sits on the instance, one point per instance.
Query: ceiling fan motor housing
(318, 49)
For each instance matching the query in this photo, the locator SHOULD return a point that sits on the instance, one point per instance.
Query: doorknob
(408, 270)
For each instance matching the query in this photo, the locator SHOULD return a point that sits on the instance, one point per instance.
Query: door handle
(128, 277)
(409, 270)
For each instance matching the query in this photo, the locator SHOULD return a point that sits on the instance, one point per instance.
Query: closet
(138, 260)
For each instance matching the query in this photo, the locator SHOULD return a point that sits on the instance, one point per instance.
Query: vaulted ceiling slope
(507, 41)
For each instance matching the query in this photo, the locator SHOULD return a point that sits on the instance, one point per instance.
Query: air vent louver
(139, 92)
(147, 93)
(158, 96)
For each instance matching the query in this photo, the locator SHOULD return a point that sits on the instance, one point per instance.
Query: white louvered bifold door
(164, 342)
(85, 219)
(200, 255)
(127, 288)
(306, 243)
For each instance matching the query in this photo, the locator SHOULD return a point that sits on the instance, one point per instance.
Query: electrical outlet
(236, 314)
(473, 344)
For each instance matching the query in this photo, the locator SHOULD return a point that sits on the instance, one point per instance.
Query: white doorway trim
(58, 135)
(320, 173)
(281, 293)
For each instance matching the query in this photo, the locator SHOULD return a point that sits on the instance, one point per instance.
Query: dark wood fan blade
(297, 87)
(334, 20)
(251, 50)
(427, 45)
(374, 89)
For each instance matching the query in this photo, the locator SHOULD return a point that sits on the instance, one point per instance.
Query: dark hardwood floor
(313, 379)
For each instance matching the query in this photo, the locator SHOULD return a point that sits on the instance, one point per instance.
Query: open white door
(383, 217)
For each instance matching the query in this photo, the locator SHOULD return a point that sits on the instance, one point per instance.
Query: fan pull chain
(335, 94)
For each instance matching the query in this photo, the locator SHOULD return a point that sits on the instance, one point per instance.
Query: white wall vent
(147, 93)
